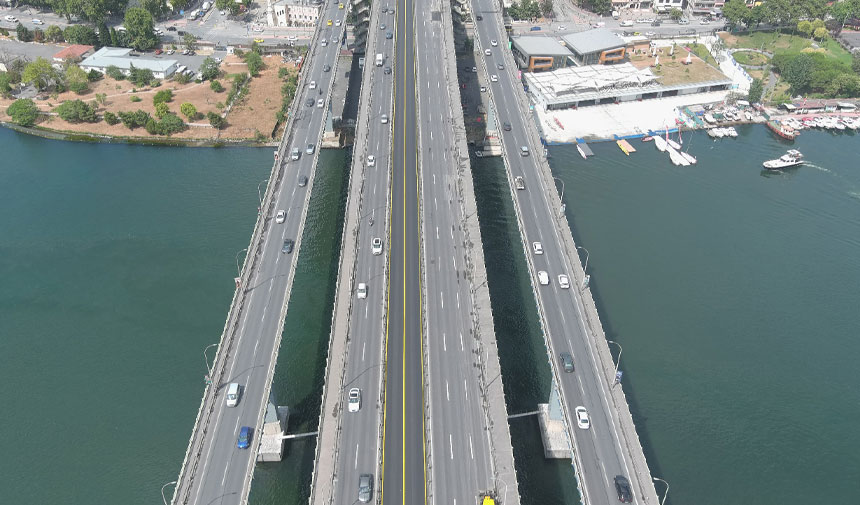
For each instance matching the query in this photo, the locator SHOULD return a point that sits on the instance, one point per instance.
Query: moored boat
(783, 131)
(660, 143)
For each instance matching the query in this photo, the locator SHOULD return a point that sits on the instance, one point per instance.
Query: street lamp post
(206, 360)
(655, 479)
(163, 498)
(618, 361)
(260, 193)
(587, 278)
(238, 271)
(561, 197)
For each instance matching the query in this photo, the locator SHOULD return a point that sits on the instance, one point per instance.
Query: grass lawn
(750, 58)
(777, 42)
(756, 73)
(702, 52)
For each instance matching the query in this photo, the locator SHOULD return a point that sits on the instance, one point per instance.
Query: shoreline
(69, 136)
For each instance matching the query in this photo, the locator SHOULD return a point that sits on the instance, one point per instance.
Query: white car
(488, 52)
(38, 21)
(371, 161)
(494, 42)
(362, 290)
(320, 103)
(561, 27)
(543, 278)
(337, 22)
(281, 216)
(324, 42)
(354, 400)
(650, 34)
(10, 19)
(704, 21)
(312, 85)
(376, 246)
(582, 418)
(483, 89)
(494, 78)
(629, 22)
(538, 248)
(563, 281)
(385, 119)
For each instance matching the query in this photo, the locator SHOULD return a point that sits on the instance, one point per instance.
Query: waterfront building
(123, 58)
(535, 54)
(596, 47)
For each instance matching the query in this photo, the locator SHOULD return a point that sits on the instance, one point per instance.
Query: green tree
(140, 29)
(110, 118)
(676, 13)
(546, 8)
(161, 109)
(54, 34)
(179, 5)
(227, 5)
(216, 86)
(602, 7)
(23, 112)
(41, 74)
(140, 76)
(5, 84)
(188, 110)
(76, 111)
(209, 69)
(163, 96)
(114, 73)
(215, 120)
(756, 89)
(158, 8)
(24, 35)
(855, 63)
(189, 41)
(101, 99)
(76, 79)
(135, 119)
(254, 62)
(80, 34)
(820, 33)
(805, 27)
(798, 72)
(181, 78)
(104, 35)
(170, 123)
(94, 75)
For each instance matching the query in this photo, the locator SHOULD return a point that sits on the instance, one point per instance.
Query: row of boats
(718, 133)
(676, 155)
(823, 122)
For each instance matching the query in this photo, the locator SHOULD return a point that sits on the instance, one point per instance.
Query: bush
(163, 96)
(170, 123)
(94, 75)
(5, 84)
(24, 35)
(181, 78)
(188, 110)
(134, 98)
(76, 111)
(140, 76)
(254, 62)
(23, 112)
(54, 34)
(283, 72)
(81, 34)
(110, 118)
(114, 73)
(216, 120)
(216, 86)
(134, 119)
(161, 109)
(209, 69)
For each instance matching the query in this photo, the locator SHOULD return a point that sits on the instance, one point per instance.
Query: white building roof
(121, 58)
(591, 41)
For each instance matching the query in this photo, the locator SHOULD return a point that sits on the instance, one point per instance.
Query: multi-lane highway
(359, 443)
(216, 470)
(600, 452)
(460, 456)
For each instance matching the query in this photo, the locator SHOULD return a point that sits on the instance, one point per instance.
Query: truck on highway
(379, 59)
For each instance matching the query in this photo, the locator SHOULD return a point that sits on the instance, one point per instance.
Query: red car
(158, 51)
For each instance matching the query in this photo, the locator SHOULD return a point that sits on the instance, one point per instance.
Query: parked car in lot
(11, 19)
(37, 21)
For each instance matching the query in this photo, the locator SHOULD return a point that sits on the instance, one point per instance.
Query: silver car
(365, 487)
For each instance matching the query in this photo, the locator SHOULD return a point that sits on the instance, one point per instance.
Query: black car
(623, 488)
(507, 126)
(479, 17)
(171, 28)
(656, 22)
(303, 181)
(309, 102)
(389, 35)
(387, 70)
(326, 68)
(288, 246)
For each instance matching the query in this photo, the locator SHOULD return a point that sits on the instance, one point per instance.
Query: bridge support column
(552, 430)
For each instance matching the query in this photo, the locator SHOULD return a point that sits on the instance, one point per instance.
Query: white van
(233, 394)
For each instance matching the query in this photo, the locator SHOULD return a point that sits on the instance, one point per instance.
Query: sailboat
(659, 143)
(685, 154)
(671, 142)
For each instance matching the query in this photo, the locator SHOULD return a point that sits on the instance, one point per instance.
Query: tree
(209, 69)
(41, 74)
(756, 89)
(227, 5)
(254, 62)
(80, 34)
(216, 86)
(736, 12)
(602, 7)
(23, 112)
(76, 79)
(676, 13)
(104, 35)
(94, 75)
(188, 110)
(805, 27)
(132, 120)
(798, 72)
(76, 111)
(855, 63)
(163, 96)
(546, 8)
(189, 41)
(820, 33)
(140, 76)
(140, 29)
(5, 84)
(180, 5)
(101, 99)
(161, 109)
(24, 35)
(54, 33)
(170, 123)
(114, 73)
(158, 8)
(215, 120)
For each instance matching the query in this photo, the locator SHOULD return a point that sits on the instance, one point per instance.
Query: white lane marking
(454, 260)
(363, 346)
(447, 393)
(461, 341)
(255, 347)
(356, 456)
(435, 203)
(444, 343)
(451, 445)
(458, 299)
(441, 299)
(366, 308)
(224, 478)
(434, 178)
(437, 233)
(471, 449)
(466, 389)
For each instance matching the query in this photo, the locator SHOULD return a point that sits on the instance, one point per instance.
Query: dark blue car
(245, 437)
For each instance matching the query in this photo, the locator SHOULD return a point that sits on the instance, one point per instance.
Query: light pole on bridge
(587, 278)
(163, 498)
(618, 361)
(206, 360)
(655, 479)
(260, 193)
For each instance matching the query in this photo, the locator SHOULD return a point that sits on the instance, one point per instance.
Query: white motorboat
(792, 158)
(676, 157)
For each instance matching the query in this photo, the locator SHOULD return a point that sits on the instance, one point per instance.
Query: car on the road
(170, 51)
(628, 22)
(326, 68)
(365, 487)
(37, 21)
(303, 181)
(566, 362)
(340, 6)
(561, 27)
(519, 182)
(479, 17)
(259, 41)
(683, 21)
(487, 52)
(320, 103)
(376, 246)
(382, 27)
(543, 278)
(371, 160)
(11, 19)
(288, 246)
(309, 102)
(389, 35)
(244, 437)
(483, 89)
(494, 42)
(474, 70)
(524, 151)
(563, 281)
(337, 22)
(281, 216)
(622, 486)
(171, 28)
(500, 66)
(650, 34)
(158, 51)
(324, 43)
(312, 85)
(582, 417)
(494, 78)
(506, 126)
(361, 292)
(186, 52)
(537, 247)
(233, 391)
(310, 149)
(648, 20)
(656, 22)
(384, 119)
(354, 400)
(295, 154)
(386, 71)
(704, 21)
(328, 23)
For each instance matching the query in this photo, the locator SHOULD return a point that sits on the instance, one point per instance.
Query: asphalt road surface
(599, 448)
(461, 459)
(403, 458)
(359, 434)
(221, 473)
